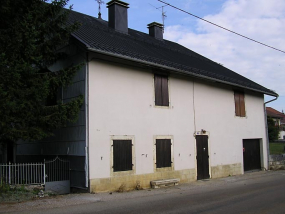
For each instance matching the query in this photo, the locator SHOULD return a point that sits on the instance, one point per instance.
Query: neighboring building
(153, 110)
(279, 119)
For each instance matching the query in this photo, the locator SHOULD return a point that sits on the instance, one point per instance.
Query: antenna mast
(163, 14)
(99, 3)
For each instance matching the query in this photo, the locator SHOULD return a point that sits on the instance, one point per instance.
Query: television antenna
(99, 3)
(163, 14)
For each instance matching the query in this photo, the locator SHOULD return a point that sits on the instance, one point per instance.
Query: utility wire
(221, 26)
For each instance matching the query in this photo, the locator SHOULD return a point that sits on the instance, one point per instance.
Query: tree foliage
(273, 131)
(31, 35)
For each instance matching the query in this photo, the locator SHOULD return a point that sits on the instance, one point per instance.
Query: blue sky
(262, 20)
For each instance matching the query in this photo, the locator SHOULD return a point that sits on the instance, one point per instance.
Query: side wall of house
(121, 105)
(68, 143)
(281, 135)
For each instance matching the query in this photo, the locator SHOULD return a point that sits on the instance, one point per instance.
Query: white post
(9, 174)
(44, 172)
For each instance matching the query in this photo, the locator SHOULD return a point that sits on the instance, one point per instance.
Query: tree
(31, 35)
(273, 131)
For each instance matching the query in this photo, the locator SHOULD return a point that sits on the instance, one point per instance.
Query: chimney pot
(118, 15)
(156, 30)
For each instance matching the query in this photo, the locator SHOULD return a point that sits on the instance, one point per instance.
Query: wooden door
(202, 157)
(251, 154)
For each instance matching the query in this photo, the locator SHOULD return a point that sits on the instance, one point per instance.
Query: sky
(261, 20)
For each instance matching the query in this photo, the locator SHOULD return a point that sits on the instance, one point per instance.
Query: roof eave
(184, 72)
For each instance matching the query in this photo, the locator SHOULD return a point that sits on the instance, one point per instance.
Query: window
(161, 90)
(163, 153)
(239, 104)
(122, 155)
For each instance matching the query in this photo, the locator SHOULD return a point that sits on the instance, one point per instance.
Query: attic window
(239, 104)
(161, 90)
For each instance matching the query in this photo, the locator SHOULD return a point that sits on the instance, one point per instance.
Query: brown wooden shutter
(161, 90)
(122, 155)
(163, 153)
(158, 92)
(237, 105)
(164, 89)
(242, 105)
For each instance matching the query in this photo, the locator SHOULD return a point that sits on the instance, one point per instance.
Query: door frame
(202, 132)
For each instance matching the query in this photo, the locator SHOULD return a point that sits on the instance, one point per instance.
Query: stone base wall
(226, 170)
(277, 162)
(130, 182)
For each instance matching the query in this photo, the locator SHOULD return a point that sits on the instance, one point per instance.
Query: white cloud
(261, 20)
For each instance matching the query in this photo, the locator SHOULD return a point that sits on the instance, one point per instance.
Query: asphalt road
(259, 192)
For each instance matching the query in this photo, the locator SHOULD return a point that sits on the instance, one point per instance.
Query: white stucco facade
(121, 104)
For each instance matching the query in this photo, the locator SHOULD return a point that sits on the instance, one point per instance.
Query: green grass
(15, 193)
(276, 148)
(6, 188)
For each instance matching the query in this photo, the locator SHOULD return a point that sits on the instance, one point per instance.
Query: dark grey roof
(97, 36)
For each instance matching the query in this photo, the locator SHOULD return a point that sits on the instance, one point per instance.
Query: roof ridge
(151, 40)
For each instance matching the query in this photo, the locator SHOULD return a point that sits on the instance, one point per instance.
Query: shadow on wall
(1, 153)
(7, 152)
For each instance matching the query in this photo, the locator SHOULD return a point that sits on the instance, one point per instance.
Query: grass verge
(276, 148)
(17, 193)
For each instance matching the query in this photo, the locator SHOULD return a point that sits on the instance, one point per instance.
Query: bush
(273, 131)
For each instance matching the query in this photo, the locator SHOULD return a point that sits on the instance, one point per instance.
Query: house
(153, 110)
(279, 119)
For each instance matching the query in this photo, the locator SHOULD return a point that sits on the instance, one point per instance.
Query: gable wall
(121, 102)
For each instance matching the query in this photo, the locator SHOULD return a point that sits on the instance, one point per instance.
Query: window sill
(123, 173)
(164, 169)
(241, 117)
(163, 107)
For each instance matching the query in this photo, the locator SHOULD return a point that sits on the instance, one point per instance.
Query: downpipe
(266, 130)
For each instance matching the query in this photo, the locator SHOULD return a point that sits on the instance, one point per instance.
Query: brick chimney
(118, 15)
(156, 30)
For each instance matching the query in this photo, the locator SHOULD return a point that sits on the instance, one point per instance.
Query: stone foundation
(130, 182)
(226, 170)
(277, 162)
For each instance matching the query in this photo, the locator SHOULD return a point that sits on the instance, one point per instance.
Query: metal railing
(35, 173)
(22, 173)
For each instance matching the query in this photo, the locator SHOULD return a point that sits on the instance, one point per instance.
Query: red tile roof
(276, 114)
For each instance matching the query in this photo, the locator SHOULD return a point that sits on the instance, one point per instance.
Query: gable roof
(142, 48)
(275, 114)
